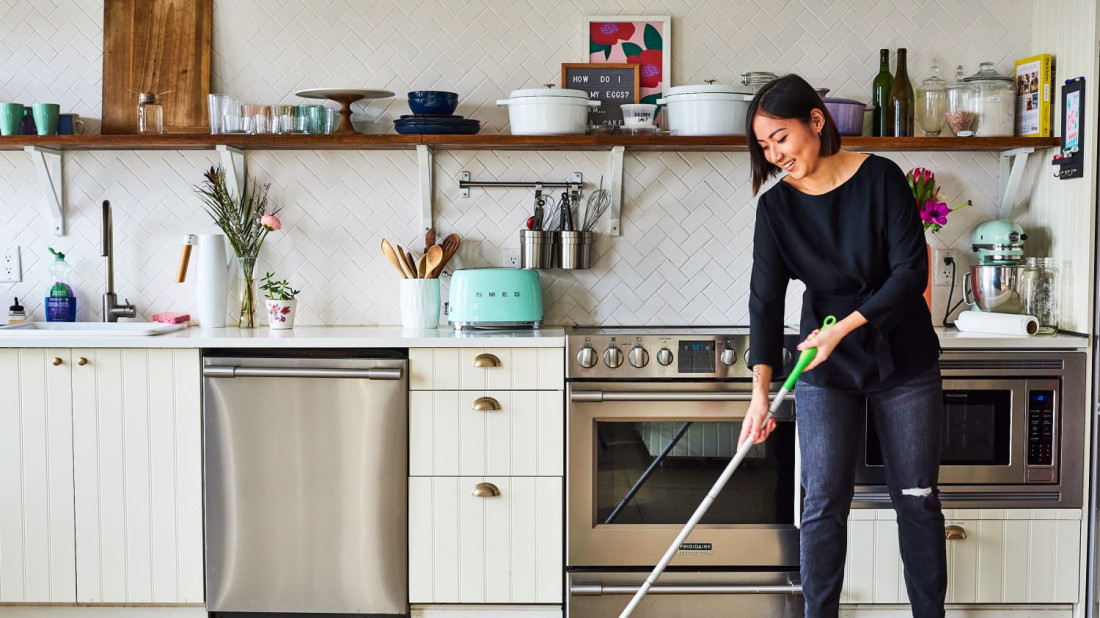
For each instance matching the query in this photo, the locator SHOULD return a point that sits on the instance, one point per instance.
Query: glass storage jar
(931, 108)
(960, 106)
(994, 102)
(1039, 292)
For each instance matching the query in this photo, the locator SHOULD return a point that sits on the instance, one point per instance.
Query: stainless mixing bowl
(994, 288)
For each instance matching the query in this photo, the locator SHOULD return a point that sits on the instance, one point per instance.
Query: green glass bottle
(899, 108)
(880, 94)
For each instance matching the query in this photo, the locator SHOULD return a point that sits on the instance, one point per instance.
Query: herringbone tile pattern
(684, 255)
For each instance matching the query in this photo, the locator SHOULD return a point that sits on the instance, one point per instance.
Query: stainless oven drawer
(688, 595)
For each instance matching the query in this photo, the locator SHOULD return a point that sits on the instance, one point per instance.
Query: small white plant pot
(280, 313)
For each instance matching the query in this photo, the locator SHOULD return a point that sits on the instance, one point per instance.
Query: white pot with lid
(548, 111)
(707, 109)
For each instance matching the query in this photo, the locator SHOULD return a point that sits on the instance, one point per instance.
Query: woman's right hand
(752, 427)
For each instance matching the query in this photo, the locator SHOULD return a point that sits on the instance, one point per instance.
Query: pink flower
(934, 212)
(271, 222)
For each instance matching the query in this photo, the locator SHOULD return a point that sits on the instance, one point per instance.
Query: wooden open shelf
(359, 141)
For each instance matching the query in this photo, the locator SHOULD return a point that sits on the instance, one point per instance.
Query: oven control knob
(638, 357)
(664, 356)
(612, 357)
(586, 357)
(728, 357)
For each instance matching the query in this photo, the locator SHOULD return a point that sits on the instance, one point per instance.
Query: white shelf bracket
(424, 161)
(1008, 180)
(616, 190)
(233, 164)
(47, 162)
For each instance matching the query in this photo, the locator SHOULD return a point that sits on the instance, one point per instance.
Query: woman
(845, 224)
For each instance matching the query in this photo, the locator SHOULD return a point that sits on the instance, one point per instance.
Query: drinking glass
(235, 123)
(220, 105)
(261, 123)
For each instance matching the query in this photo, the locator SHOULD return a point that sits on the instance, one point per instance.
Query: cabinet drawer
(486, 368)
(499, 549)
(478, 433)
(1008, 556)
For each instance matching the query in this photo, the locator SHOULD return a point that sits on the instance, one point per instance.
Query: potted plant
(281, 301)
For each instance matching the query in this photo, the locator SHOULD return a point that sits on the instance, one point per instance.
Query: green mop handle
(805, 358)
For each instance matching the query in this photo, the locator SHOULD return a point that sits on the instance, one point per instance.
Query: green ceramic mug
(45, 117)
(11, 118)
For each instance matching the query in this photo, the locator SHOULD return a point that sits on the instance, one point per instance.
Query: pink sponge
(171, 317)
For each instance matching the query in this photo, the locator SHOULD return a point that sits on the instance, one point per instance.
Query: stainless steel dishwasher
(305, 470)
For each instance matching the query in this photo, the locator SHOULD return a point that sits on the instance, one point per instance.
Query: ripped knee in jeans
(918, 492)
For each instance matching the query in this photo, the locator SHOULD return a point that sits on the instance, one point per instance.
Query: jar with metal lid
(994, 102)
(756, 79)
(150, 115)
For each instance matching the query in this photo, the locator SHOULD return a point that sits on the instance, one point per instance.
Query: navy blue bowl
(433, 106)
(433, 94)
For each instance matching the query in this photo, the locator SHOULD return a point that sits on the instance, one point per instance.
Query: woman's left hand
(826, 340)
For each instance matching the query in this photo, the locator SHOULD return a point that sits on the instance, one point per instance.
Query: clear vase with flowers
(933, 211)
(246, 223)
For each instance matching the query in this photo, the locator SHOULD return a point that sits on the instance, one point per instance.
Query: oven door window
(977, 429)
(683, 460)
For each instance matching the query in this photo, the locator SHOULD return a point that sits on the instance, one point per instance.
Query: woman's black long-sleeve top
(859, 247)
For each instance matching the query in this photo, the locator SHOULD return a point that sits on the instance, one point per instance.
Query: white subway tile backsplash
(685, 250)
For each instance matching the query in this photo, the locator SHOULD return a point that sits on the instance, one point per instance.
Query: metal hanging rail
(575, 184)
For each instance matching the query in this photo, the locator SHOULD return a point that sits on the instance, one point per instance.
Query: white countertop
(951, 339)
(299, 337)
(396, 337)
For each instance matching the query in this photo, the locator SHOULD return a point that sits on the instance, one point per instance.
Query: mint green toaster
(495, 298)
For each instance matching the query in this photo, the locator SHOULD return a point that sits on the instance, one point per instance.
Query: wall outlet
(510, 259)
(11, 268)
(941, 270)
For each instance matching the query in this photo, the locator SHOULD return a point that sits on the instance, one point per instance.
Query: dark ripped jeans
(908, 419)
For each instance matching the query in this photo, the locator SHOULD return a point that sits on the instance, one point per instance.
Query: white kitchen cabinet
(37, 543)
(1008, 556)
(487, 369)
(477, 433)
(504, 548)
(125, 475)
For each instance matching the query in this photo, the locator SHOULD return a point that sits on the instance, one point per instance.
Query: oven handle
(597, 590)
(597, 396)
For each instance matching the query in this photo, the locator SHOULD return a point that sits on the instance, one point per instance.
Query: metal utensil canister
(538, 249)
(576, 250)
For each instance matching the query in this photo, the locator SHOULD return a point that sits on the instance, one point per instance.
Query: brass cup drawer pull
(486, 361)
(486, 404)
(56, 361)
(954, 533)
(81, 361)
(485, 490)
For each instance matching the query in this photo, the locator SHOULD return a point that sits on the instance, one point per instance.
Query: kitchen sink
(91, 329)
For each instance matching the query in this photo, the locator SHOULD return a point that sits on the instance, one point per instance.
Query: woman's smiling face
(790, 144)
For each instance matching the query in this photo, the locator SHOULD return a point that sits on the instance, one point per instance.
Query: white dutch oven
(707, 109)
(548, 111)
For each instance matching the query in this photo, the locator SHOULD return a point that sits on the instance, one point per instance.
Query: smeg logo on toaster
(505, 294)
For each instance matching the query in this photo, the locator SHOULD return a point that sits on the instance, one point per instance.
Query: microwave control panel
(1040, 428)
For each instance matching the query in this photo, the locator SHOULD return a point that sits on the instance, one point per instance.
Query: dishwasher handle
(234, 371)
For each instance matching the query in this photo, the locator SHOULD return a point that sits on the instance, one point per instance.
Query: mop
(804, 359)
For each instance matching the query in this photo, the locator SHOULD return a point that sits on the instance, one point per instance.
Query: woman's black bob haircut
(788, 97)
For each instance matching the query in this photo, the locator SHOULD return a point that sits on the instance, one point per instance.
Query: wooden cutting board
(158, 46)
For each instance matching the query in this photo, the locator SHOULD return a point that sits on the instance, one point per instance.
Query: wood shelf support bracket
(616, 191)
(233, 164)
(47, 162)
(1009, 176)
(424, 162)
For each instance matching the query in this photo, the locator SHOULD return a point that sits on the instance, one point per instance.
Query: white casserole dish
(707, 109)
(548, 111)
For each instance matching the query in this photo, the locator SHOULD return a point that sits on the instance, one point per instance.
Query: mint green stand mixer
(993, 284)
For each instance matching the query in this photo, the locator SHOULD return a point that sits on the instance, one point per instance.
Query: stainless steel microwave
(1013, 433)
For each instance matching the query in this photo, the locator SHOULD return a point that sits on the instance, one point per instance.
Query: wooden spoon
(429, 239)
(387, 250)
(422, 266)
(406, 259)
(450, 247)
(435, 258)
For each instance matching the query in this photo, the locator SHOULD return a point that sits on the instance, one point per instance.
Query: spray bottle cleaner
(61, 302)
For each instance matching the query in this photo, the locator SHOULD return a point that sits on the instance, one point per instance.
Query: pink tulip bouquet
(933, 213)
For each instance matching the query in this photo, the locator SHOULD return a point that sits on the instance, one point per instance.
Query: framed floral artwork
(637, 39)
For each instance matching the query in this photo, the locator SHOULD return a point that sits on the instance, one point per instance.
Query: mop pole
(804, 359)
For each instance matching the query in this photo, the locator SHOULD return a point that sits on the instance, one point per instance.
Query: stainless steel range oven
(1012, 434)
(653, 418)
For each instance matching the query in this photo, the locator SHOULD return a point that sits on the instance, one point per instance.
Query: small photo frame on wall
(645, 40)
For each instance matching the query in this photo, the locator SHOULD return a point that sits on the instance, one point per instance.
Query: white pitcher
(212, 292)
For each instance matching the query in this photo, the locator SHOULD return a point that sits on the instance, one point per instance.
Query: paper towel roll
(996, 323)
